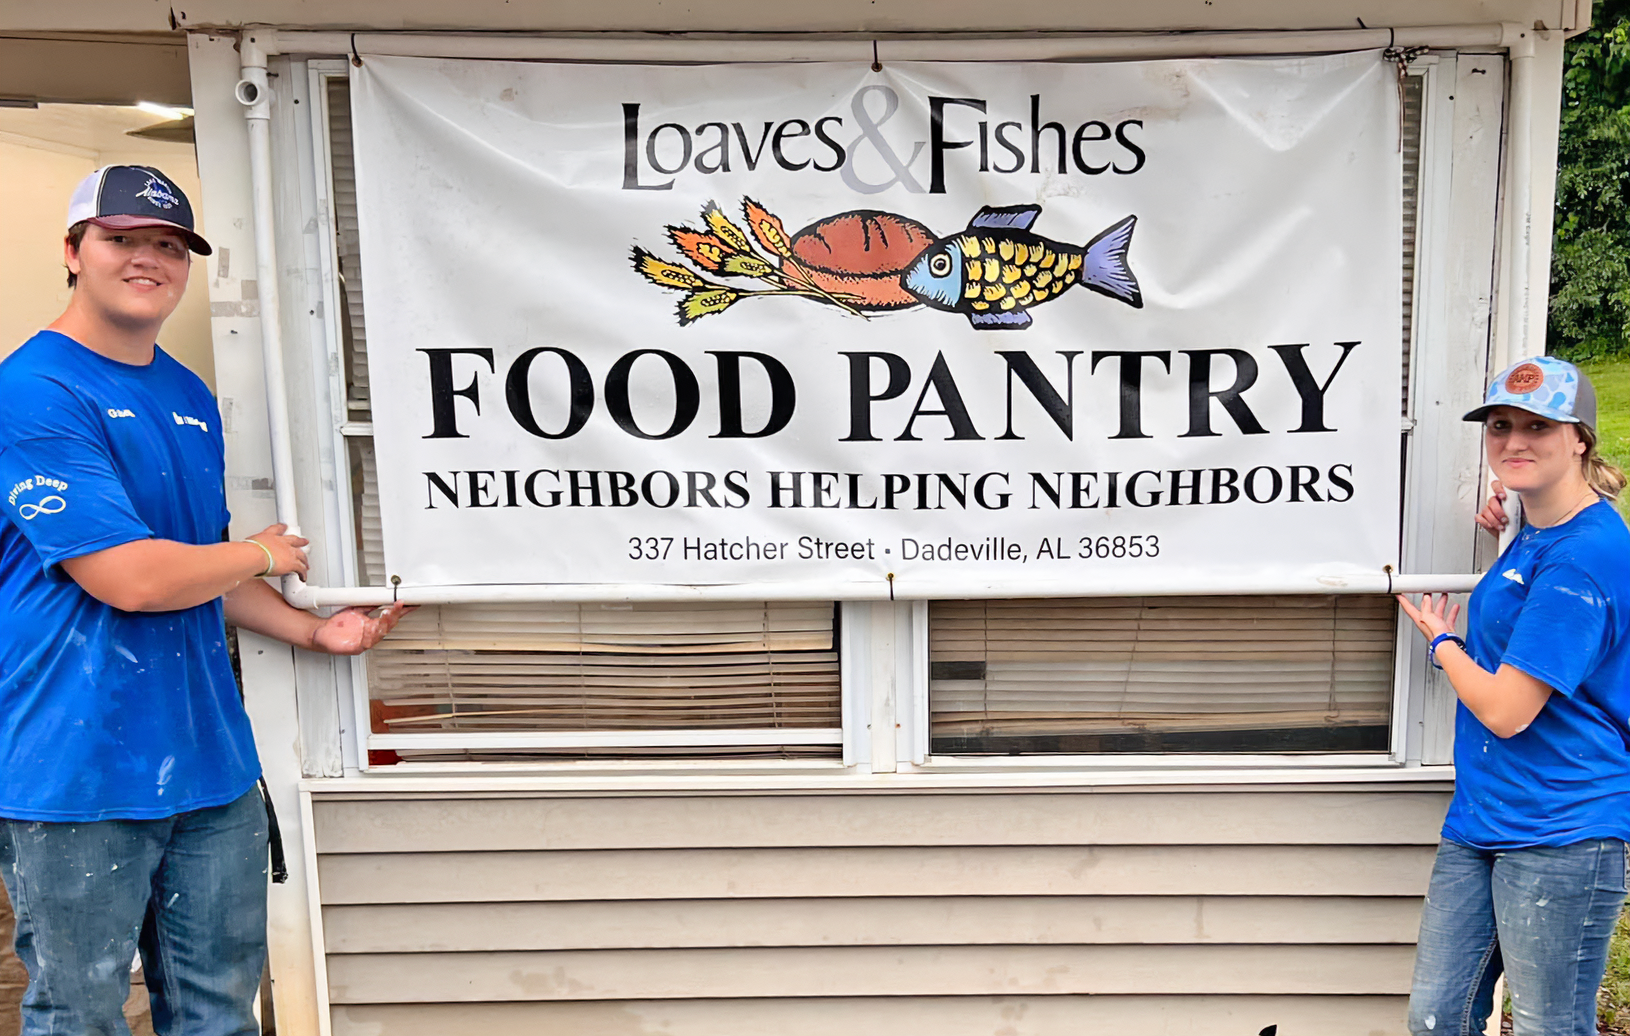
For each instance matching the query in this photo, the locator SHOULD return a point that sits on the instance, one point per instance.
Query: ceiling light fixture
(163, 111)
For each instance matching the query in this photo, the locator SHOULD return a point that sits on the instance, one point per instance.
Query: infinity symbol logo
(50, 505)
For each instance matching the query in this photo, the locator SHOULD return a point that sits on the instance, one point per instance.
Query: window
(760, 680)
(1202, 675)
(1161, 674)
(537, 681)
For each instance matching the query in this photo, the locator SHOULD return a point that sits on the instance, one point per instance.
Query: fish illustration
(997, 269)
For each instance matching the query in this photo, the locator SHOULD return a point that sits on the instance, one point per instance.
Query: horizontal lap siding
(862, 971)
(1140, 870)
(873, 921)
(1055, 1015)
(1037, 818)
(1186, 911)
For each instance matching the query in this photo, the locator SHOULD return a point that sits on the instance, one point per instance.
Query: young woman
(1530, 874)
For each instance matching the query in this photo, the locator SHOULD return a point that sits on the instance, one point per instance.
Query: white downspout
(252, 92)
(1517, 314)
(1518, 309)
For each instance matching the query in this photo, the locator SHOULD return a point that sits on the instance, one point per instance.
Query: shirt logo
(119, 413)
(158, 193)
(1513, 575)
(52, 504)
(184, 419)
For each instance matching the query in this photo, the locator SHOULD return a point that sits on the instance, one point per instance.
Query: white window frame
(883, 658)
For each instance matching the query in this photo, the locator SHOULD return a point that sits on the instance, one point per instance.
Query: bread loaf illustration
(862, 254)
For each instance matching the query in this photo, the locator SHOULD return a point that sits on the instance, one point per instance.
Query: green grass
(1614, 1006)
(1612, 381)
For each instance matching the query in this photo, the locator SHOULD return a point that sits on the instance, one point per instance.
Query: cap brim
(194, 241)
(1549, 415)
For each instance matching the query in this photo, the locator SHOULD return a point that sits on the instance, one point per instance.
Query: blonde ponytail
(1607, 479)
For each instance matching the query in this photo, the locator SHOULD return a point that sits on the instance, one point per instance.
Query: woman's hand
(1492, 517)
(1431, 618)
(352, 631)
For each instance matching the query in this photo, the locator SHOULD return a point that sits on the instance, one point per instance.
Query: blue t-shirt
(108, 714)
(1556, 606)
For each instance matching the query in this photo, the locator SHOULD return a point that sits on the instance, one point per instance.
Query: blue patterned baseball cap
(1544, 385)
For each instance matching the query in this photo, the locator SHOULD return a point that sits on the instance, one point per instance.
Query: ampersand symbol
(50, 505)
(869, 130)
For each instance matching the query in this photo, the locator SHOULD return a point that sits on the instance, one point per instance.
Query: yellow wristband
(271, 562)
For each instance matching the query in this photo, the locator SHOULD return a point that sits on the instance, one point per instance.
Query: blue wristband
(1432, 649)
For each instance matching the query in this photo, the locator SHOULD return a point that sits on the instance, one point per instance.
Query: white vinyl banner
(972, 328)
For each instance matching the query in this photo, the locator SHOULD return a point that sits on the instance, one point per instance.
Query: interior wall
(45, 152)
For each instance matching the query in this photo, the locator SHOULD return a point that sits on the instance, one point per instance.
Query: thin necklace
(1589, 498)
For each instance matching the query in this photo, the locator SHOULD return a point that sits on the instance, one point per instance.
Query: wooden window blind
(566, 667)
(1161, 674)
(538, 668)
(1414, 99)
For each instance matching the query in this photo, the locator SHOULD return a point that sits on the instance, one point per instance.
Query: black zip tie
(274, 837)
(877, 66)
(891, 586)
(1388, 570)
(356, 59)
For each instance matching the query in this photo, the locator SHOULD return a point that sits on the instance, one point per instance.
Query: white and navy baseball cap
(1552, 388)
(124, 197)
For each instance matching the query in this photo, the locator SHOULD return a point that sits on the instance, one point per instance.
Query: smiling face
(1530, 453)
(936, 276)
(129, 278)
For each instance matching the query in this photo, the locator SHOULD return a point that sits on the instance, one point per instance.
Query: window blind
(565, 667)
(534, 668)
(1161, 674)
(1414, 94)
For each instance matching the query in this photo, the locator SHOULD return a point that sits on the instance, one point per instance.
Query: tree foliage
(1590, 265)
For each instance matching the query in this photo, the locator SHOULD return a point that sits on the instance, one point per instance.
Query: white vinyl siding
(1205, 912)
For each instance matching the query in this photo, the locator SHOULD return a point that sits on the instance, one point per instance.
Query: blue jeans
(1544, 916)
(189, 891)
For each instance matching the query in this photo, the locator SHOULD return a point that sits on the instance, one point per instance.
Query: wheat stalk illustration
(725, 249)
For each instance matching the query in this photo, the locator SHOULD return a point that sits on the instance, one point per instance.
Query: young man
(129, 812)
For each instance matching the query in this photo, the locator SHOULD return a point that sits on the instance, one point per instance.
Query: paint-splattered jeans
(189, 891)
(1544, 916)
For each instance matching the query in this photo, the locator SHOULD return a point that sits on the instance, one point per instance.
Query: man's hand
(1492, 517)
(352, 631)
(287, 557)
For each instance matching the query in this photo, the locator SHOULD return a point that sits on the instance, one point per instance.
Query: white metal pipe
(878, 590)
(1517, 312)
(255, 95)
(635, 48)
(1516, 337)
